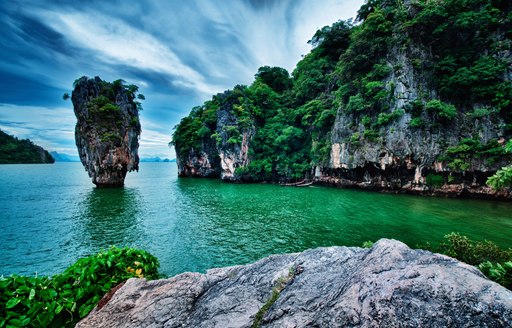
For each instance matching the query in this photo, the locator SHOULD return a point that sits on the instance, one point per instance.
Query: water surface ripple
(50, 215)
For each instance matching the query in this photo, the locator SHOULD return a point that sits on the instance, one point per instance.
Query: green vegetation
(62, 300)
(16, 151)
(281, 283)
(494, 262)
(434, 180)
(454, 47)
(503, 177)
(105, 111)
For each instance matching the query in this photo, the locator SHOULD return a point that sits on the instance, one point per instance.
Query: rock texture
(107, 130)
(227, 149)
(404, 155)
(389, 285)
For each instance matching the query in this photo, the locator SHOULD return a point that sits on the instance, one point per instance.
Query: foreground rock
(107, 129)
(388, 285)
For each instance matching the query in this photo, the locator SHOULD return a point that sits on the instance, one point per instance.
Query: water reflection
(110, 217)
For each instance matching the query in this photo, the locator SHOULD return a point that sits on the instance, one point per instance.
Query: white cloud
(115, 42)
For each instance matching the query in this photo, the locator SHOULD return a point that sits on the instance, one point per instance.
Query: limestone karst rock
(108, 129)
(389, 285)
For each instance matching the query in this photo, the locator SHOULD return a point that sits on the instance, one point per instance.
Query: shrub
(356, 104)
(61, 300)
(368, 244)
(445, 112)
(416, 122)
(434, 180)
(501, 179)
(473, 252)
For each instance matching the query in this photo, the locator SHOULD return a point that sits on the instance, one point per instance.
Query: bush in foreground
(493, 261)
(61, 300)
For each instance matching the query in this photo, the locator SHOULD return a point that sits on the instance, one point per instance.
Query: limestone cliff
(389, 285)
(107, 130)
(222, 145)
(415, 98)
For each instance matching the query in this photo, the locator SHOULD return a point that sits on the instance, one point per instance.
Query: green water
(50, 215)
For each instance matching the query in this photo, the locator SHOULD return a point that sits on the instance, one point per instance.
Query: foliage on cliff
(16, 151)
(61, 300)
(458, 49)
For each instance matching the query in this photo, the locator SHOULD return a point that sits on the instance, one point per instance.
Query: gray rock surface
(389, 285)
(107, 140)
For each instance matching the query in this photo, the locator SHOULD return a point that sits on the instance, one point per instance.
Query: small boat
(293, 184)
(305, 184)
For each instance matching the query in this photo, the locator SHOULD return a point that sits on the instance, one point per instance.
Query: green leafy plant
(368, 244)
(472, 252)
(61, 300)
(500, 273)
(503, 177)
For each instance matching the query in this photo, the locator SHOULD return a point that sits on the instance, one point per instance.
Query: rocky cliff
(107, 130)
(389, 285)
(221, 144)
(415, 98)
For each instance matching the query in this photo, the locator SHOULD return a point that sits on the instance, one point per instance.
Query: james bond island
(107, 129)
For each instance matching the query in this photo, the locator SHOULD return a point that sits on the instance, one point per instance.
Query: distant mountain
(16, 151)
(64, 157)
(156, 159)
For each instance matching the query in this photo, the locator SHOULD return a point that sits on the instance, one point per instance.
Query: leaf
(12, 303)
(58, 309)
(32, 294)
(84, 310)
(25, 322)
(138, 271)
(22, 290)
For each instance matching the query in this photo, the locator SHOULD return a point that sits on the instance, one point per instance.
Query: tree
(277, 78)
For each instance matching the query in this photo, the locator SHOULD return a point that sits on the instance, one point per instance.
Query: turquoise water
(50, 215)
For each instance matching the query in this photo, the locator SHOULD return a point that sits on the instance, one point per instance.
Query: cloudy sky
(179, 53)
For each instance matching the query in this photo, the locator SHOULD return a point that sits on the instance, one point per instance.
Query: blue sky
(179, 53)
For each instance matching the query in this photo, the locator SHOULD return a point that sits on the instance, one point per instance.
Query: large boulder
(389, 285)
(107, 129)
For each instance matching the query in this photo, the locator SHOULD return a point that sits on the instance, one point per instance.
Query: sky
(179, 53)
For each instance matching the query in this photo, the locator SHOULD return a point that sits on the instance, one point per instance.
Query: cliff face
(388, 285)
(107, 130)
(223, 140)
(414, 99)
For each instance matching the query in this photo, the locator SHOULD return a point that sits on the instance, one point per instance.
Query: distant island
(60, 157)
(157, 159)
(22, 151)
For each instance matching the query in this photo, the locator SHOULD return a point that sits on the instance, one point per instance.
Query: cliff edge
(107, 129)
(388, 285)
